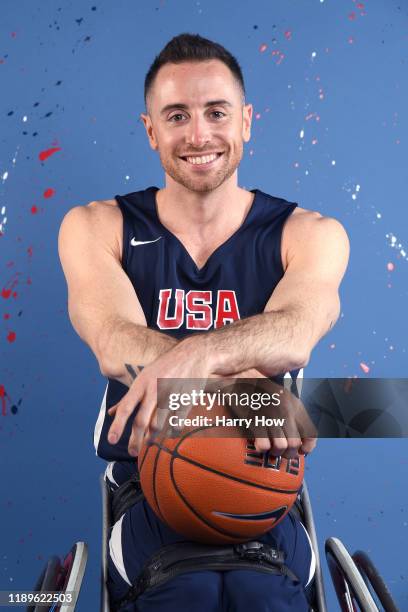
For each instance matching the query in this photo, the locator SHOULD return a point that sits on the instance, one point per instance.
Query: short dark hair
(192, 48)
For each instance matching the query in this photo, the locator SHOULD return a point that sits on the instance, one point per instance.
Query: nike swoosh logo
(276, 514)
(134, 242)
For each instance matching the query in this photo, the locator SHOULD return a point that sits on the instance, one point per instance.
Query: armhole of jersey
(126, 228)
(288, 213)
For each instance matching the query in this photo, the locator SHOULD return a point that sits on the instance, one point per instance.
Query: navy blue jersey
(180, 299)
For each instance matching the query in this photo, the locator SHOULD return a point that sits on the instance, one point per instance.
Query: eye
(219, 113)
(176, 115)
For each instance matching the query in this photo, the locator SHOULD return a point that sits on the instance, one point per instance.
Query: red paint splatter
(288, 35)
(390, 266)
(11, 336)
(360, 5)
(352, 16)
(3, 395)
(7, 290)
(14, 294)
(34, 210)
(48, 193)
(351, 40)
(43, 155)
(6, 316)
(29, 281)
(364, 367)
(280, 54)
(30, 251)
(263, 48)
(13, 34)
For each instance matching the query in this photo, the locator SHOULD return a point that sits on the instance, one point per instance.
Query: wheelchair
(357, 583)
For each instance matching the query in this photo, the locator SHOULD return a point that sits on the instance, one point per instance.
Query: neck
(182, 210)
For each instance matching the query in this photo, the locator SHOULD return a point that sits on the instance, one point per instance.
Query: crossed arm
(108, 316)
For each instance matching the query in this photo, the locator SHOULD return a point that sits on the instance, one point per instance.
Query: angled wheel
(352, 592)
(374, 581)
(62, 577)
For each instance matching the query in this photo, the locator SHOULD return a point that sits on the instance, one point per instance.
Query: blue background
(72, 77)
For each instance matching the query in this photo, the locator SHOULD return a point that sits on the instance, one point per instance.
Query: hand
(298, 435)
(188, 359)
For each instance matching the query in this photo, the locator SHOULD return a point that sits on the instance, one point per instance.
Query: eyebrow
(178, 105)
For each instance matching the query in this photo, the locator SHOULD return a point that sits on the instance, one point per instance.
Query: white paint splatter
(333, 163)
(314, 54)
(301, 134)
(394, 243)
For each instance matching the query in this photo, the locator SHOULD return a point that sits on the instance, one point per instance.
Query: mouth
(204, 164)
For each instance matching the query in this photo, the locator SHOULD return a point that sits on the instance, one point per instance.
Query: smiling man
(198, 279)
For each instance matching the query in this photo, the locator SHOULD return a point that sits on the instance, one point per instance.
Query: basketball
(217, 490)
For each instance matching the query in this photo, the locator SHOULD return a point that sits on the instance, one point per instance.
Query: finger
(308, 444)
(140, 425)
(278, 446)
(262, 445)
(112, 410)
(292, 450)
(124, 409)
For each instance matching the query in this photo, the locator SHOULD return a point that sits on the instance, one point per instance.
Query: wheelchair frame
(320, 599)
(357, 583)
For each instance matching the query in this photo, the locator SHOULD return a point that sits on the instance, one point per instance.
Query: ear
(247, 111)
(149, 130)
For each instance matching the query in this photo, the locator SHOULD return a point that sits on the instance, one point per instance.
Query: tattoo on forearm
(132, 372)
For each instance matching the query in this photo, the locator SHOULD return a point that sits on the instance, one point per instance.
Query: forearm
(124, 342)
(273, 342)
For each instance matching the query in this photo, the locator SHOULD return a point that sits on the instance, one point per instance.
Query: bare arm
(303, 307)
(102, 304)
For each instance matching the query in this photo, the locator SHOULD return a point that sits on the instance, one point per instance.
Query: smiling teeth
(201, 160)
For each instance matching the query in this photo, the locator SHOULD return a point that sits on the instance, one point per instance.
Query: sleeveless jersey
(180, 299)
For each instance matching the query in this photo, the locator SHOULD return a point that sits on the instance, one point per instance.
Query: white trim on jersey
(99, 422)
(287, 380)
(115, 549)
(109, 474)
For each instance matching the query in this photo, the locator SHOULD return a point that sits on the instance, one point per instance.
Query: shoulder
(307, 230)
(100, 218)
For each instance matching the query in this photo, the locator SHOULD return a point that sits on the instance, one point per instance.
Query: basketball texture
(217, 490)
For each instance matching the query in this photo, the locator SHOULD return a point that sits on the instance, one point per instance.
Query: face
(181, 123)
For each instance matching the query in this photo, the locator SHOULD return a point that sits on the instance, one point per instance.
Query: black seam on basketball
(215, 528)
(144, 458)
(156, 459)
(175, 453)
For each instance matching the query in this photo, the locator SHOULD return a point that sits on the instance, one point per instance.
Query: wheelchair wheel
(47, 580)
(62, 577)
(351, 590)
(374, 581)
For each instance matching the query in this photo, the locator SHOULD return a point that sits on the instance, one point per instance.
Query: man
(199, 279)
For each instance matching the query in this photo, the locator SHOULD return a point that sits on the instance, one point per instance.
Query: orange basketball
(217, 490)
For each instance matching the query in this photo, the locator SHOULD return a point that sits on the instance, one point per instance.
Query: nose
(198, 132)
